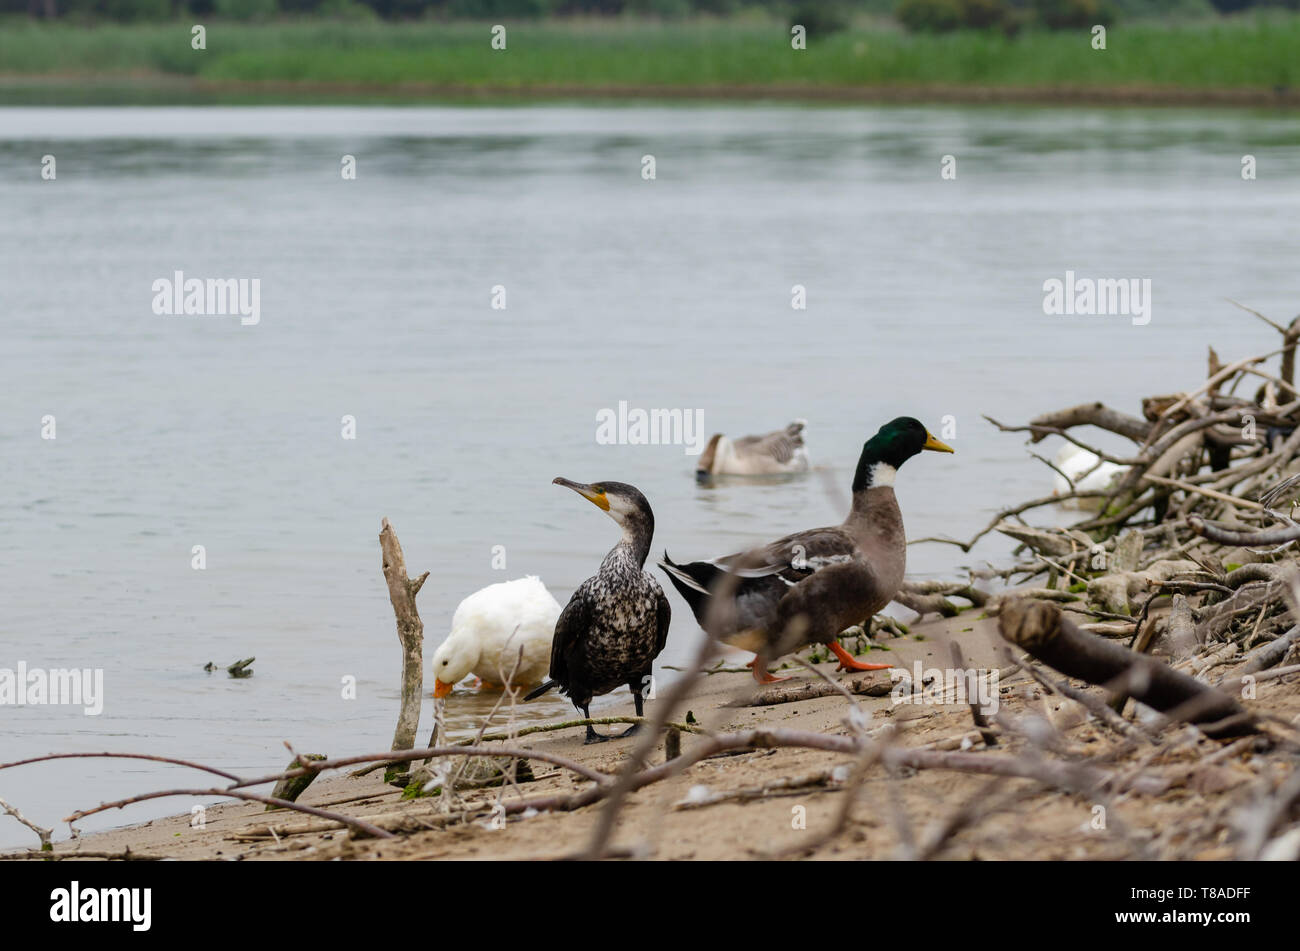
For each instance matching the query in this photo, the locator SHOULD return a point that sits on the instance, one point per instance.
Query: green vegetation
(827, 13)
(1239, 52)
(1006, 16)
(441, 47)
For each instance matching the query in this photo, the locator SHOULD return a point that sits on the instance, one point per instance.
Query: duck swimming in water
(807, 587)
(616, 623)
(774, 453)
(490, 629)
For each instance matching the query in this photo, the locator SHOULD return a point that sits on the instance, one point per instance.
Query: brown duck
(808, 587)
(776, 453)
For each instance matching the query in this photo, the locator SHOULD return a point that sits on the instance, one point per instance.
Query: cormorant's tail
(538, 691)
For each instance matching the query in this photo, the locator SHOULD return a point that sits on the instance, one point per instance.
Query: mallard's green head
(896, 442)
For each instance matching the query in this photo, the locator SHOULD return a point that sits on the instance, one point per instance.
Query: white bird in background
(488, 630)
(1075, 461)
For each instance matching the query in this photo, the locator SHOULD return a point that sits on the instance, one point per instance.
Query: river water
(924, 297)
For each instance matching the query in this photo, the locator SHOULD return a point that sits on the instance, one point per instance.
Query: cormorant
(616, 623)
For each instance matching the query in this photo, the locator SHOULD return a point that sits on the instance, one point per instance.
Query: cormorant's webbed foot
(594, 737)
(633, 730)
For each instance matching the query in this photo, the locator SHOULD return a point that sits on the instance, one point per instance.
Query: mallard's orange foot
(489, 685)
(761, 674)
(848, 662)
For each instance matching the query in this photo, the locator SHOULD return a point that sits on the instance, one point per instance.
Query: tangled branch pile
(1171, 554)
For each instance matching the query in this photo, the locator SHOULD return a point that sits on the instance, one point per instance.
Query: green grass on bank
(1232, 53)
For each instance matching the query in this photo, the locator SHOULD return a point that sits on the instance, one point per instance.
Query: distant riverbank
(1239, 61)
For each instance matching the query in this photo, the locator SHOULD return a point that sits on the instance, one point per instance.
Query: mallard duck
(616, 623)
(488, 630)
(808, 587)
(774, 453)
(1083, 469)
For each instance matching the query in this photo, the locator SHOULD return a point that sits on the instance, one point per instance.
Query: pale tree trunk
(410, 631)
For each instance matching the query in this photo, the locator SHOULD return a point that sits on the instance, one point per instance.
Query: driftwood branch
(813, 689)
(358, 825)
(546, 728)
(410, 632)
(1090, 414)
(1226, 536)
(126, 855)
(42, 833)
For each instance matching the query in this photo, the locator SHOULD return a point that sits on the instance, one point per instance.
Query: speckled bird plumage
(616, 622)
(612, 629)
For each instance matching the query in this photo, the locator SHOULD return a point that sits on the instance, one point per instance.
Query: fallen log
(1040, 629)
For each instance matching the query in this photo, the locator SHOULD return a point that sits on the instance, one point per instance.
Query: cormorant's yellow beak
(592, 494)
(441, 689)
(934, 444)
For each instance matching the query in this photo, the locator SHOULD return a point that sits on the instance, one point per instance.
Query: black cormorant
(616, 623)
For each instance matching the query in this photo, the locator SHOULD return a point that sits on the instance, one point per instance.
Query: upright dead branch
(977, 714)
(1181, 633)
(1290, 337)
(290, 789)
(410, 631)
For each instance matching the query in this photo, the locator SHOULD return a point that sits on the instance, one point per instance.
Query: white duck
(1074, 461)
(487, 631)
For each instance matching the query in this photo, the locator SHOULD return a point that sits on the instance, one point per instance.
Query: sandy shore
(1014, 819)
